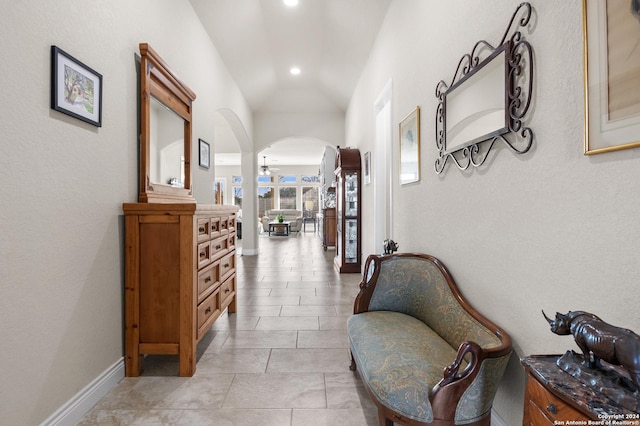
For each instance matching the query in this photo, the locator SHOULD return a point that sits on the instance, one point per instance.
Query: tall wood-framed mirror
(165, 132)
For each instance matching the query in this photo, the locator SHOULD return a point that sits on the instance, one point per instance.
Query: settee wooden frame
(448, 391)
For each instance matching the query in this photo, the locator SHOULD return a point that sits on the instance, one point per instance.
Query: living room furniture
(179, 255)
(311, 220)
(553, 396)
(290, 215)
(279, 228)
(348, 195)
(425, 355)
(327, 227)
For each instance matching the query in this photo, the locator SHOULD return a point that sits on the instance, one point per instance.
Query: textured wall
(552, 229)
(64, 182)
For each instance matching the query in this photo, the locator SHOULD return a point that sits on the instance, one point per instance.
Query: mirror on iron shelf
(166, 146)
(165, 132)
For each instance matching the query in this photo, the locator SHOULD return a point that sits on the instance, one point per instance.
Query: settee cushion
(416, 287)
(400, 358)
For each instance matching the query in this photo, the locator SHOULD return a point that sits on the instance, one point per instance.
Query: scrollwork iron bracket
(519, 89)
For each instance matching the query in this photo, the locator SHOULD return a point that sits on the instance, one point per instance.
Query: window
(218, 190)
(310, 201)
(287, 179)
(310, 179)
(265, 199)
(288, 197)
(265, 179)
(236, 179)
(237, 196)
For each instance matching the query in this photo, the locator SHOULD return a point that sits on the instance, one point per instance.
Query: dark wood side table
(552, 396)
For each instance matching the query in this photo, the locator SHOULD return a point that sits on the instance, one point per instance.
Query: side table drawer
(548, 405)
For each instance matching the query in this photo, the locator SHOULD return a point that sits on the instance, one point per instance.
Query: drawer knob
(207, 280)
(552, 409)
(226, 265)
(207, 310)
(202, 229)
(226, 290)
(218, 247)
(202, 254)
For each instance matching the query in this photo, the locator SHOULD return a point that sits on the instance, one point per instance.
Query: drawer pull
(207, 310)
(226, 290)
(207, 280)
(226, 265)
(218, 247)
(552, 409)
(202, 229)
(202, 254)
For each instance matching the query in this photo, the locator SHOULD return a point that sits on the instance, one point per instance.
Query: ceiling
(261, 40)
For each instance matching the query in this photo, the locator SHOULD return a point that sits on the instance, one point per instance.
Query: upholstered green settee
(424, 354)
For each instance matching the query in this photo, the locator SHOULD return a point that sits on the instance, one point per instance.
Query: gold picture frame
(410, 147)
(611, 76)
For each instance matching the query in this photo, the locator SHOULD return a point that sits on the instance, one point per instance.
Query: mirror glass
(475, 107)
(166, 146)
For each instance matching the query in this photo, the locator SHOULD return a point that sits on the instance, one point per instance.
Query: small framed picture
(76, 89)
(367, 167)
(410, 147)
(204, 156)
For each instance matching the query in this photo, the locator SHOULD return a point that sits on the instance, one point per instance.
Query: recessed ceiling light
(294, 70)
(291, 3)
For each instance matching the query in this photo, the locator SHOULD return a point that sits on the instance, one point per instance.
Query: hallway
(282, 359)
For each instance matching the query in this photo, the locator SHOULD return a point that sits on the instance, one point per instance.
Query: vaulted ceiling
(261, 40)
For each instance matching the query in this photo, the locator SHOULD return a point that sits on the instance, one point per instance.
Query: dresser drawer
(224, 225)
(204, 230)
(232, 223)
(227, 265)
(208, 311)
(204, 254)
(215, 227)
(543, 404)
(232, 241)
(227, 290)
(208, 280)
(219, 247)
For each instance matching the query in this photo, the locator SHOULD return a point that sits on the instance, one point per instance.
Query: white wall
(552, 229)
(64, 182)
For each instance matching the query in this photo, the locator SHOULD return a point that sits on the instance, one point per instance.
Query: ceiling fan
(264, 169)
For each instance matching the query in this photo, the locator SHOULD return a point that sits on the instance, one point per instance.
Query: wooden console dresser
(554, 397)
(180, 276)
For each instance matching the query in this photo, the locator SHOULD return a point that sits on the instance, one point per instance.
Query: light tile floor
(281, 360)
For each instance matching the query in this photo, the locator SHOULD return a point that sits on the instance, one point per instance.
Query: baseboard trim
(496, 420)
(249, 252)
(74, 409)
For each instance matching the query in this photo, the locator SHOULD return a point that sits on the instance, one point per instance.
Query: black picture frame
(204, 154)
(76, 89)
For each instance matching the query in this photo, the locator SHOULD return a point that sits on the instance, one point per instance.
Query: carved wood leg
(384, 421)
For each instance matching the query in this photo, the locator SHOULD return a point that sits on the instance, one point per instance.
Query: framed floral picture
(410, 147)
(612, 75)
(76, 89)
